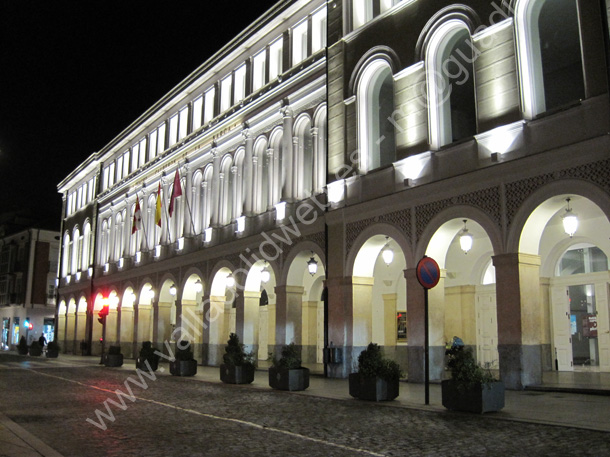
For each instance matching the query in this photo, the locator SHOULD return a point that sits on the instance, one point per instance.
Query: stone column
(340, 323)
(519, 319)
(215, 336)
(363, 312)
(248, 172)
(389, 320)
(296, 170)
(415, 326)
(188, 203)
(235, 213)
(127, 231)
(287, 164)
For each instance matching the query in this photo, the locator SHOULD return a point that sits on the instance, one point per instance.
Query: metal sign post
(428, 275)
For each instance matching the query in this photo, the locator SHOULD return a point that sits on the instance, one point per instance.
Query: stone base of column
(520, 365)
(212, 354)
(415, 366)
(309, 354)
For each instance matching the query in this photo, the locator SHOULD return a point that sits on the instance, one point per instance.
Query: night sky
(75, 73)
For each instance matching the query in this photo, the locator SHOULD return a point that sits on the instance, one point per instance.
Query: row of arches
(550, 71)
(558, 276)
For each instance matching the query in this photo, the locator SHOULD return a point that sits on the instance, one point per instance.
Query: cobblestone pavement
(184, 417)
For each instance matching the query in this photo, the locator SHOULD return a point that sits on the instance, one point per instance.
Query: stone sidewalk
(558, 408)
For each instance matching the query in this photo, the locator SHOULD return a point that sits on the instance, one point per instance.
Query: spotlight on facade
(198, 286)
(570, 220)
(387, 254)
(312, 265)
(265, 274)
(173, 290)
(230, 280)
(465, 239)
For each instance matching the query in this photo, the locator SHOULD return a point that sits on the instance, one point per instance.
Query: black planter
(35, 351)
(153, 362)
(113, 360)
(372, 389)
(22, 350)
(482, 398)
(183, 367)
(285, 379)
(52, 354)
(237, 375)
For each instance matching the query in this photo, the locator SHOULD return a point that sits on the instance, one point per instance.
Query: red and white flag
(137, 217)
(176, 192)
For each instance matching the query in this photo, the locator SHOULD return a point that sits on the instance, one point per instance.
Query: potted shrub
(471, 388)
(22, 347)
(35, 349)
(238, 366)
(52, 350)
(287, 372)
(377, 377)
(183, 364)
(148, 353)
(113, 358)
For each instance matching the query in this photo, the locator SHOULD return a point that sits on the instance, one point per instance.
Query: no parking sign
(428, 272)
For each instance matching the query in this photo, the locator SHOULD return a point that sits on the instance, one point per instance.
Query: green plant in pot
(286, 373)
(238, 366)
(149, 354)
(471, 387)
(184, 364)
(22, 347)
(113, 358)
(377, 378)
(35, 349)
(53, 350)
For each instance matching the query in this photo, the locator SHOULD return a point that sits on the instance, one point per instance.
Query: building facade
(28, 271)
(287, 189)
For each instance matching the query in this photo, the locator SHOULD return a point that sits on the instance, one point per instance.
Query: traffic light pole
(103, 339)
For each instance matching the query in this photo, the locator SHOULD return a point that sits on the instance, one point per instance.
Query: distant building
(28, 270)
(329, 147)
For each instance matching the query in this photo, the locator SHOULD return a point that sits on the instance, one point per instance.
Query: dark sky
(75, 73)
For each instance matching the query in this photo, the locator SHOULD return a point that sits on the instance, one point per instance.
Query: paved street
(188, 417)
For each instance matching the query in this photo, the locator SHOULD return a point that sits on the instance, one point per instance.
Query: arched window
(375, 94)
(276, 152)
(206, 197)
(196, 201)
(76, 251)
(550, 55)
(225, 204)
(304, 157)
(85, 262)
(66, 261)
(119, 236)
(261, 176)
(135, 239)
(236, 185)
(582, 259)
(105, 244)
(451, 89)
(319, 176)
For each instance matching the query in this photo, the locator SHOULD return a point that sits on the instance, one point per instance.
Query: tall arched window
(550, 55)
(225, 205)
(319, 176)
(105, 244)
(451, 88)
(261, 176)
(276, 152)
(135, 239)
(119, 236)
(375, 94)
(85, 262)
(76, 251)
(66, 261)
(304, 157)
(206, 197)
(236, 185)
(196, 205)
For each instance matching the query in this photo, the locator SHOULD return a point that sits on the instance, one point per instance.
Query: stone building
(314, 160)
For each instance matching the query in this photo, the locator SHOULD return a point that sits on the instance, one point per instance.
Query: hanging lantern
(230, 280)
(265, 274)
(312, 265)
(173, 290)
(198, 286)
(465, 239)
(570, 221)
(387, 254)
